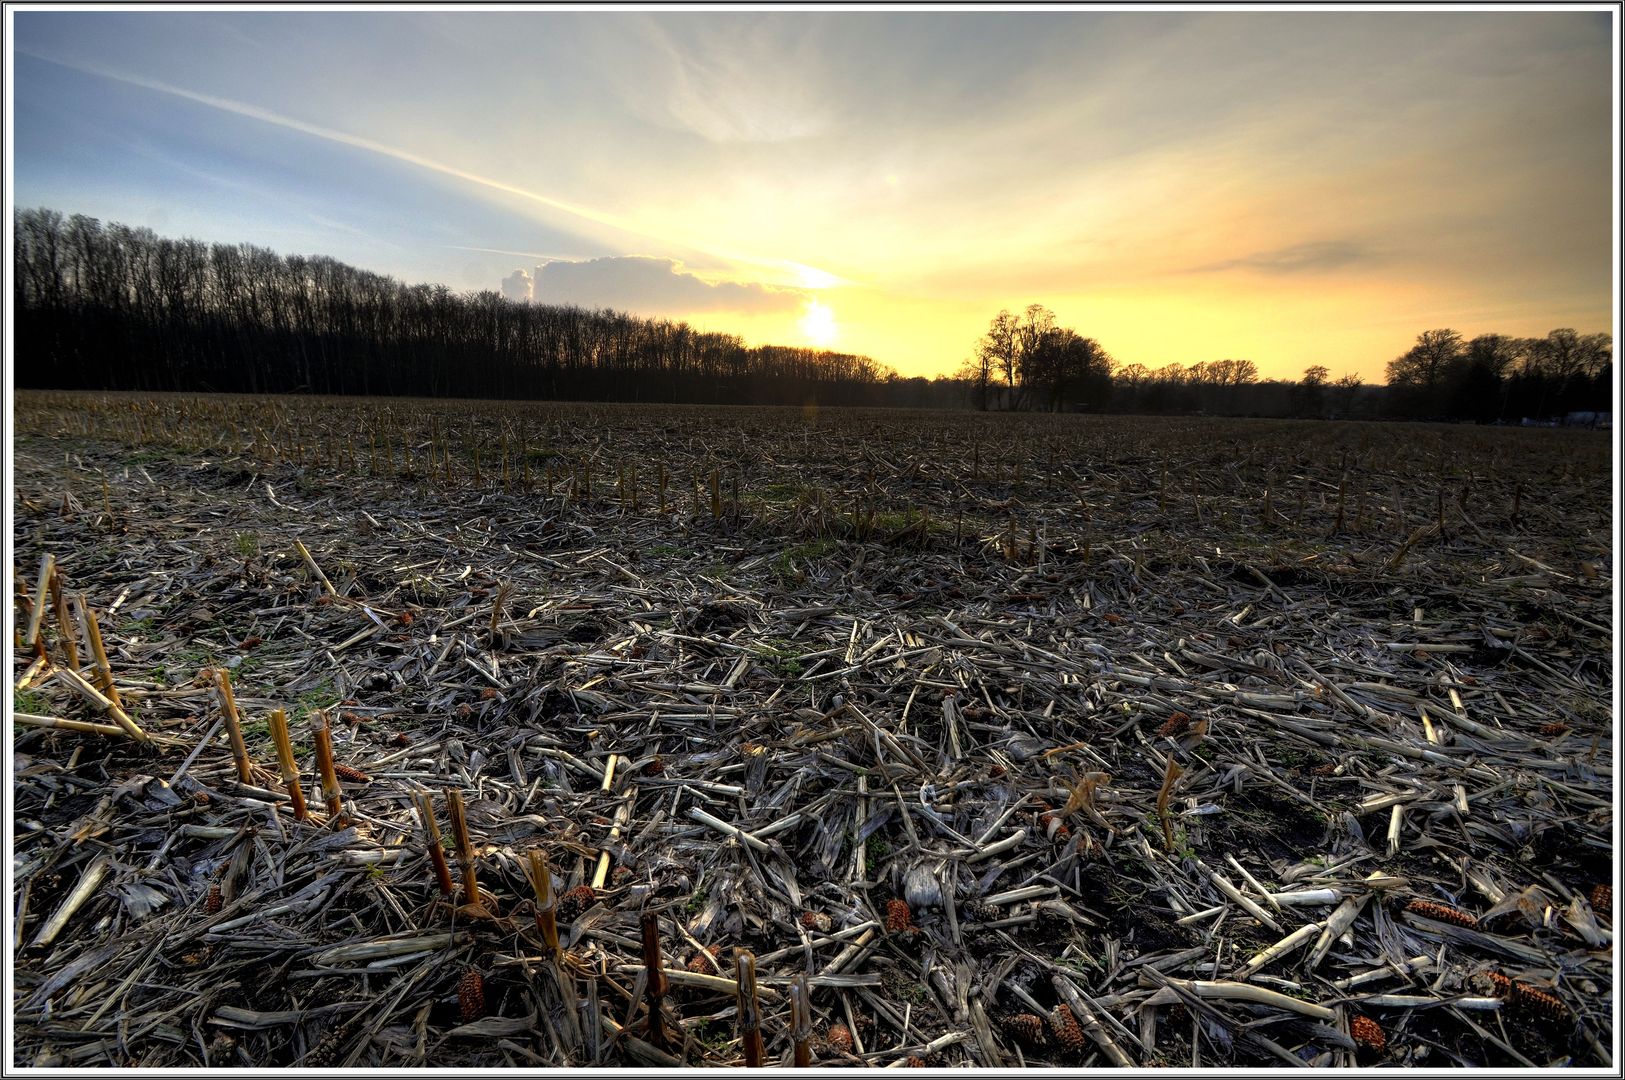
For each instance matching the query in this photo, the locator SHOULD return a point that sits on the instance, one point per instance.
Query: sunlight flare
(818, 324)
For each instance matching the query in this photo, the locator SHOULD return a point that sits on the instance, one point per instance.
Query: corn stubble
(1071, 583)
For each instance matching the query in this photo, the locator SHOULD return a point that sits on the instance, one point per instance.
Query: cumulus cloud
(650, 286)
(1296, 259)
(518, 286)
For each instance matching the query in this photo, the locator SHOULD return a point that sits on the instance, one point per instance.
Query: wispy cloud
(540, 255)
(1308, 258)
(736, 82)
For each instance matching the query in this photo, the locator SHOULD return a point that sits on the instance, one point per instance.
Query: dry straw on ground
(885, 702)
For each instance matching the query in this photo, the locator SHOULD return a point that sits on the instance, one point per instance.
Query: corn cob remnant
(1174, 726)
(350, 773)
(1028, 1029)
(1528, 999)
(1367, 1033)
(1442, 913)
(1065, 1029)
(471, 996)
(576, 901)
(816, 920)
(704, 962)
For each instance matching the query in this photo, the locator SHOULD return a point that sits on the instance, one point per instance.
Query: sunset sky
(1287, 187)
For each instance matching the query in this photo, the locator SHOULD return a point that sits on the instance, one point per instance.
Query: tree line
(1498, 377)
(108, 306)
(120, 308)
(1029, 362)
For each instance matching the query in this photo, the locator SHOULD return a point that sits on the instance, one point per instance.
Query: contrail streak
(587, 213)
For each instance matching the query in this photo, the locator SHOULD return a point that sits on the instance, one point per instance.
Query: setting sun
(818, 324)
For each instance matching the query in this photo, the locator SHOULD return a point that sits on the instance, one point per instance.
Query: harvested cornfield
(396, 733)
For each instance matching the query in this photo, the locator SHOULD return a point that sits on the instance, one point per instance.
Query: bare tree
(1000, 349)
(1348, 389)
(1037, 353)
(977, 374)
(1311, 392)
(1427, 362)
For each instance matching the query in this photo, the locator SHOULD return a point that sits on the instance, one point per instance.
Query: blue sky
(1293, 188)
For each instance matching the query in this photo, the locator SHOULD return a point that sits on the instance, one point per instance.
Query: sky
(1292, 188)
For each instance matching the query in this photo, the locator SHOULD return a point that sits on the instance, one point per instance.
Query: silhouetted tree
(1083, 372)
(977, 375)
(1562, 372)
(1045, 366)
(1419, 376)
(1038, 354)
(1000, 350)
(1348, 388)
(1310, 394)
